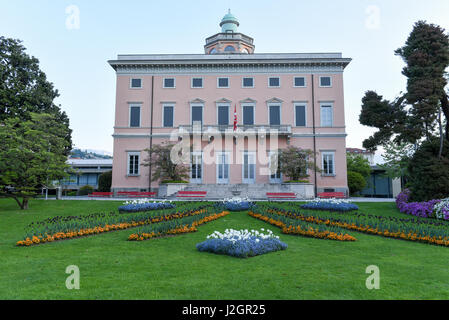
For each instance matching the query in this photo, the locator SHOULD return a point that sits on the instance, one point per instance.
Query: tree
(413, 116)
(397, 158)
(295, 161)
(32, 155)
(105, 181)
(24, 88)
(358, 163)
(429, 174)
(356, 182)
(162, 166)
(358, 171)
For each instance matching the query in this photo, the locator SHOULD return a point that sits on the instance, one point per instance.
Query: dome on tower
(229, 23)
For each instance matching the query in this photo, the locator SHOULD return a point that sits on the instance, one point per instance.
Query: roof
(90, 162)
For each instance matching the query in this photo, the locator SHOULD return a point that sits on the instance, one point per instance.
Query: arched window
(229, 49)
(245, 50)
(213, 50)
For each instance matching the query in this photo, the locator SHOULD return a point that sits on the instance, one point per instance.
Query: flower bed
(242, 243)
(330, 205)
(237, 204)
(61, 228)
(417, 209)
(174, 227)
(412, 229)
(144, 205)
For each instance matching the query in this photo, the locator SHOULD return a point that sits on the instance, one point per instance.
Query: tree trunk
(25, 204)
(445, 109)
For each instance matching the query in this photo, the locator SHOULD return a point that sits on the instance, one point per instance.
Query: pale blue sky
(76, 60)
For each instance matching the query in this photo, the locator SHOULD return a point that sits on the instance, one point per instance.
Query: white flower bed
(441, 209)
(145, 200)
(239, 235)
(331, 200)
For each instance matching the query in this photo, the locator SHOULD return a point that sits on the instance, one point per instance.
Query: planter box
(169, 189)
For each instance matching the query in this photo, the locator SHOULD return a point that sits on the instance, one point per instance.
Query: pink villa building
(192, 100)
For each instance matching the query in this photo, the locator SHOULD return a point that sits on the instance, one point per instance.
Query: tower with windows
(229, 40)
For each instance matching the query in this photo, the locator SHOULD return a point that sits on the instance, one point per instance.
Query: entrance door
(196, 168)
(222, 168)
(249, 167)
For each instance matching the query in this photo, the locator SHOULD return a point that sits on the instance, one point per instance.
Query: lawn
(172, 268)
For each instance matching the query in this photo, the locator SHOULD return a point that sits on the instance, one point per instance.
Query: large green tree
(32, 155)
(24, 88)
(417, 114)
(358, 171)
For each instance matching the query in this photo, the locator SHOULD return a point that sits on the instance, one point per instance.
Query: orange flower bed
(183, 229)
(375, 231)
(310, 232)
(97, 230)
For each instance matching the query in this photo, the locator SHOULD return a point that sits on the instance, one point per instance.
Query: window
(197, 114)
(223, 83)
(249, 167)
(274, 82)
(223, 115)
(325, 82)
(222, 167)
(136, 83)
(197, 82)
(168, 116)
(169, 82)
(133, 163)
(196, 167)
(326, 115)
(248, 115)
(275, 115)
(328, 163)
(229, 49)
(300, 115)
(134, 116)
(275, 167)
(248, 82)
(299, 82)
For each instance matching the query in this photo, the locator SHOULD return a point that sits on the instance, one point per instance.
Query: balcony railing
(228, 36)
(241, 129)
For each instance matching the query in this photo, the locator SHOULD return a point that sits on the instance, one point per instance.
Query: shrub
(85, 190)
(356, 182)
(429, 175)
(237, 204)
(105, 181)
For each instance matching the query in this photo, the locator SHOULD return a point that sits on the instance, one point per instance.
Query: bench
(327, 195)
(100, 194)
(285, 195)
(135, 194)
(191, 194)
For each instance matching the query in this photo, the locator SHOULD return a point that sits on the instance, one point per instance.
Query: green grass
(172, 268)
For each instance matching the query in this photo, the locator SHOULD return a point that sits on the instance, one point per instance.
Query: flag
(235, 117)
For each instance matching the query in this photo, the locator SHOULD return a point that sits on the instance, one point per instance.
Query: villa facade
(233, 109)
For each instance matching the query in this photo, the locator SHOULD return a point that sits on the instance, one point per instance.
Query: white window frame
(326, 153)
(218, 83)
(253, 105)
(223, 104)
(330, 86)
(202, 83)
(174, 83)
(303, 104)
(129, 154)
(274, 86)
(163, 114)
(305, 82)
(326, 104)
(131, 83)
(133, 105)
(245, 87)
(249, 181)
(218, 156)
(270, 104)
